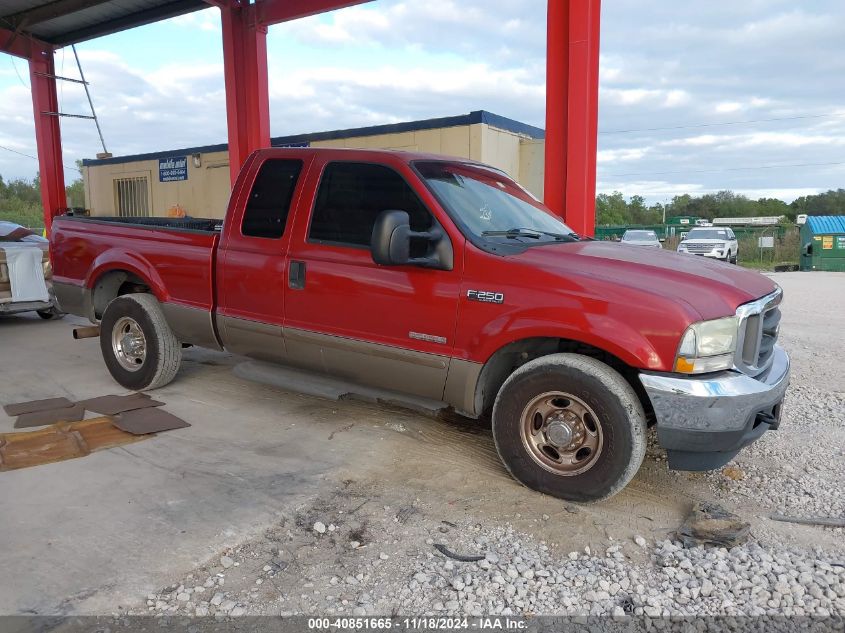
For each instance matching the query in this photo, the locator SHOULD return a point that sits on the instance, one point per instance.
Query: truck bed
(175, 256)
(204, 225)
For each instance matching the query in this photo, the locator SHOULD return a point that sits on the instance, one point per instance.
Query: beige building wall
(532, 164)
(204, 194)
(206, 191)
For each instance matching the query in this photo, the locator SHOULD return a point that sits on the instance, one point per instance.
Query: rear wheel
(138, 346)
(569, 426)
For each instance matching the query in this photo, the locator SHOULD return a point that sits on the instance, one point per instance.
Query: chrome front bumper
(703, 422)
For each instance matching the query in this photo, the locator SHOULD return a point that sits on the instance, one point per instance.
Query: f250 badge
(485, 296)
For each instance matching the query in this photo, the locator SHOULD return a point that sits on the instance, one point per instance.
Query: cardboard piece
(112, 405)
(143, 421)
(19, 408)
(50, 416)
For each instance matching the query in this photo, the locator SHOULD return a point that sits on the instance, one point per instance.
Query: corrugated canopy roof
(64, 22)
(826, 223)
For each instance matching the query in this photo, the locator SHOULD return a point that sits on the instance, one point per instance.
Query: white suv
(713, 241)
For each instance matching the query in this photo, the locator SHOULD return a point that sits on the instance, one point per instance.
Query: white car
(715, 242)
(641, 238)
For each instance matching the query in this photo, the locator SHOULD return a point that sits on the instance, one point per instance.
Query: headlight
(708, 346)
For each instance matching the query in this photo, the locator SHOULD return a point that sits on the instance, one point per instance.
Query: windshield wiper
(532, 233)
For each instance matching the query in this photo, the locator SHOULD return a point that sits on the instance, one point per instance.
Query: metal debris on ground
(60, 442)
(824, 521)
(711, 524)
(463, 558)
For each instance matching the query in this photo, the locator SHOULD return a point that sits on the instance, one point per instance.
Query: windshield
(639, 236)
(489, 204)
(707, 234)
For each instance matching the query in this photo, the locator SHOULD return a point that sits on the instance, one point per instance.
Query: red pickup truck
(443, 278)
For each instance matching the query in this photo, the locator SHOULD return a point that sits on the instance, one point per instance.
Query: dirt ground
(259, 466)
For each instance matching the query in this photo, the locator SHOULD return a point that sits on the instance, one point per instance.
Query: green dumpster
(823, 243)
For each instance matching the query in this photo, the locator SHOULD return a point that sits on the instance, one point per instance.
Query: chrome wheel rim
(129, 344)
(561, 433)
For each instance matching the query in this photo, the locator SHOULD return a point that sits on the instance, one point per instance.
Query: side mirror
(390, 244)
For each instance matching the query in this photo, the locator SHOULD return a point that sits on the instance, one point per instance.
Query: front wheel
(570, 426)
(138, 346)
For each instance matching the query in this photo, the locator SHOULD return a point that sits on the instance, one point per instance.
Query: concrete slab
(124, 518)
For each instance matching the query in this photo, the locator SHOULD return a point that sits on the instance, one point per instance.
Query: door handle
(296, 275)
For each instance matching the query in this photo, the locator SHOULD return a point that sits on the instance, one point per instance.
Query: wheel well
(512, 356)
(113, 284)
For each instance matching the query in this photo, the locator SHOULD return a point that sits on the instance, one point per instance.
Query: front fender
(624, 340)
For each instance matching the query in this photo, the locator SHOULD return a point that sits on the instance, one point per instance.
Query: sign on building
(173, 169)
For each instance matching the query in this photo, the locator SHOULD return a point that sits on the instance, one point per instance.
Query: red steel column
(572, 80)
(247, 94)
(48, 135)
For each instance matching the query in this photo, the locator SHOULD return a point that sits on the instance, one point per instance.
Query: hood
(709, 241)
(713, 289)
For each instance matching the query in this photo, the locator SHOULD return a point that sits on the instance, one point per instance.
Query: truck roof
(347, 152)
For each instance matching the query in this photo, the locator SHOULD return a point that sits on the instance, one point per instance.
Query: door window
(352, 195)
(269, 201)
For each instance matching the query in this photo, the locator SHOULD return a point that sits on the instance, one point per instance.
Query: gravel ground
(367, 547)
(339, 565)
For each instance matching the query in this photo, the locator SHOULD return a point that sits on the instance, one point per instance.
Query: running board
(321, 386)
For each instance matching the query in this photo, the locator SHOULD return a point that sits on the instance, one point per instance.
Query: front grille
(698, 248)
(758, 332)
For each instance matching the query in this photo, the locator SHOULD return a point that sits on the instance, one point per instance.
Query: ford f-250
(443, 278)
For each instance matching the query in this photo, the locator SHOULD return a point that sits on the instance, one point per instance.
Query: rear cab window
(269, 201)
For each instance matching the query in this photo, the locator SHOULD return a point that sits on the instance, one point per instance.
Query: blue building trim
(303, 140)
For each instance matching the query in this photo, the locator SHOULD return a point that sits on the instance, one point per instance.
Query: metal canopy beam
(21, 45)
(572, 88)
(245, 67)
(269, 12)
(49, 11)
(48, 135)
(247, 93)
(139, 18)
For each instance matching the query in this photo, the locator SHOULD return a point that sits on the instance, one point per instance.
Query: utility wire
(14, 151)
(17, 72)
(700, 125)
(724, 169)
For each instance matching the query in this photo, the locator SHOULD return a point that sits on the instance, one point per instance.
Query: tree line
(614, 208)
(20, 200)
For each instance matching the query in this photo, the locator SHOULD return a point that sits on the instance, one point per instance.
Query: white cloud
(671, 66)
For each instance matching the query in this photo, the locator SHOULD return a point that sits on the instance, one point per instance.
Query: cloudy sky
(695, 97)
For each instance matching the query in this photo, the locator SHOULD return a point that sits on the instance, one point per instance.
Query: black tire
(613, 403)
(162, 355)
(734, 258)
(50, 314)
